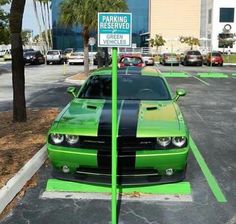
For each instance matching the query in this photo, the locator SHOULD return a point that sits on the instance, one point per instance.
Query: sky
(29, 19)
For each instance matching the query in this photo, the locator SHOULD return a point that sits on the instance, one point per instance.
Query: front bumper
(125, 178)
(139, 168)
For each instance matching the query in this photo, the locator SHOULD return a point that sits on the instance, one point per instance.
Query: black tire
(48, 62)
(221, 64)
(185, 63)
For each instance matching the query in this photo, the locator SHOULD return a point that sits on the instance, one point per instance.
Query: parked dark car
(213, 58)
(103, 58)
(192, 57)
(169, 59)
(34, 57)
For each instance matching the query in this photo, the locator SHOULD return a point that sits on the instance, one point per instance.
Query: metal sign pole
(114, 136)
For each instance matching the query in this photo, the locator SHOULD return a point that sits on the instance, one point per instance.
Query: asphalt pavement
(210, 111)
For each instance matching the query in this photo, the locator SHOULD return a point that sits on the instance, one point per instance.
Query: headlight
(179, 141)
(164, 141)
(57, 138)
(72, 139)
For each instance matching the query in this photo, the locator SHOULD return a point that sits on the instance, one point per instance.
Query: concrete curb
(16, 183)
(78, 82)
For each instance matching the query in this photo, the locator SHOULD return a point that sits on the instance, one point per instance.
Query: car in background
(68, 52)
(213, 58)
(169, 59)
(130, 60)
(56, 56)
(34, 58)
(27, 50)
(148, 59)
(2, 52)
(103, 59)
(192, 57)
(7, 56)
(76, 58)
(153, 138)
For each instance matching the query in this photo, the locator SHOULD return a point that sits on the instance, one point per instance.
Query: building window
(209, 16)
(226, 15)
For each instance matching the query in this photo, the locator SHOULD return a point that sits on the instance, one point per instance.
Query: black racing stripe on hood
(129, 118)
(105, 123)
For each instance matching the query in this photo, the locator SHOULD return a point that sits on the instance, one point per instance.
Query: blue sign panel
(114, 29)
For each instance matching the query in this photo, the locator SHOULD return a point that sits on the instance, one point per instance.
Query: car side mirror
(179, 93)
(72, 91)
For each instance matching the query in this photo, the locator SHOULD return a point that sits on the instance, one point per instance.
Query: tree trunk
(100, 57)
(18, 72)
(49, 25)
(86, 50)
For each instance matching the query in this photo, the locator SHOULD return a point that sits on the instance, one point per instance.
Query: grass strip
(175, 75)
(212, 182)
(181, 188)
(212, 75)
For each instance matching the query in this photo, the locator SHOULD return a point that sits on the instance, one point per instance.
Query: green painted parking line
(212, 182)
(212, 75)
(234, 74)
(175, 74)
(181, 188)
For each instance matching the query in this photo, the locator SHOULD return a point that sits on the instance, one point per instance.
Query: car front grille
(123, 143)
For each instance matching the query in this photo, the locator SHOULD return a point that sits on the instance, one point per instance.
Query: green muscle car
(152, 139)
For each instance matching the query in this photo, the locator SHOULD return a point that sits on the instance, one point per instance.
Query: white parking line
(206, 83)
(107, 196)
(232, 221)
(157, 69)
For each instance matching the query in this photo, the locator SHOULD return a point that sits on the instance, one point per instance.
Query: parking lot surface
(210, 111)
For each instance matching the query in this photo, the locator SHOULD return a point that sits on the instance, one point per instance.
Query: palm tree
(84, 13)
(49, 22)
(39, 23)
(43, 17)
(18, 72)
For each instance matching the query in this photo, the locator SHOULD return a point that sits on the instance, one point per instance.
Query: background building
(72, 37)
(211, 21)
(172, 19)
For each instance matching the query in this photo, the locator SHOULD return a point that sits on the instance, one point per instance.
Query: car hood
(135, 118)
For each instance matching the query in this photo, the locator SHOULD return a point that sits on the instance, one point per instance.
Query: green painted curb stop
(212, 182)
(212, 75)
(175, 75)
(181, 188)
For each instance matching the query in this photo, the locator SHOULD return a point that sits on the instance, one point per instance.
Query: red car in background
(130, 60)
(214, 58)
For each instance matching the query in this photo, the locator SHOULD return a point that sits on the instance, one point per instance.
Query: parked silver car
(55, 56)
(169, 59)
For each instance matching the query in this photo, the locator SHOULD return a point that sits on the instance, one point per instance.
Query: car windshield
(170, 55)
(131, 60)
(29, 53)
(130, 87)
(53, 53)
(77, 54)
(216, 54)
(194, 53)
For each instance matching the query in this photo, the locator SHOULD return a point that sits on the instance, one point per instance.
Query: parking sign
(114, 29)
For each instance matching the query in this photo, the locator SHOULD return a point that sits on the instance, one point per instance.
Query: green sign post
(114, 30)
